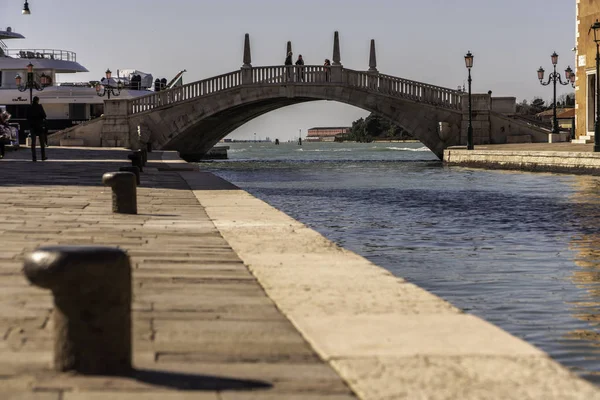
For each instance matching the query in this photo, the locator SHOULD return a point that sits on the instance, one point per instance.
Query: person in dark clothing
(327, 67)
(288, 66)
(300, 63)
(36, 116)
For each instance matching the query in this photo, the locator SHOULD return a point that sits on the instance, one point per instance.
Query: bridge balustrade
(306, 74)
(281, 74)
(404, 88)
(185, 92)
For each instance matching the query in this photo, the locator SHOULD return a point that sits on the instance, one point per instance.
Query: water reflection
(586, 245)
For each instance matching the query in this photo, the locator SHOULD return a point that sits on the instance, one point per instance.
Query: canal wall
(386, 337)
(536, 161)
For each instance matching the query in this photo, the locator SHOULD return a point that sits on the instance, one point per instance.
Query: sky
(421, 40)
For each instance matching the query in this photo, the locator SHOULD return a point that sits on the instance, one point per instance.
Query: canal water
(521, 250)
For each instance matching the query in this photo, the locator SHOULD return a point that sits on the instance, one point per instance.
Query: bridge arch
(196, 124)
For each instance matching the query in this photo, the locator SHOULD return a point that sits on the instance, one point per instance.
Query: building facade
(326, 134)
(588, 11)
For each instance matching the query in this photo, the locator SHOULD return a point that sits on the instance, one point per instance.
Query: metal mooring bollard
(92, 306)
(136, 160)
(133, 170)
(124, 194)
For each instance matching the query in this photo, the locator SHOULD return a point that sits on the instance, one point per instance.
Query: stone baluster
(124, 194)
(91, 287)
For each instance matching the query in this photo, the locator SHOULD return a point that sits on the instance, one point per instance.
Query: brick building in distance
(326, 134)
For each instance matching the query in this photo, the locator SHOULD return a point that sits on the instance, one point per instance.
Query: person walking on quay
(288, 66)
(300, 63)
(327, 68)
(36, 116)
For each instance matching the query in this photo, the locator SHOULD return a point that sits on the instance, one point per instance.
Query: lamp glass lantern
(18, 79)
(29, 68)
(108, 73)
(596, 28)
(469, 60)
(25, 10)
(540, 73)
(568, 73)
(554, 58)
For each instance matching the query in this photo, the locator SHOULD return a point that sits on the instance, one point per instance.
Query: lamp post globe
(109, 89)
(555, 78)
(31, 83)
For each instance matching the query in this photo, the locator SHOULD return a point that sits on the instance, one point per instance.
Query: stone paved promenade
(233, 299)
(564, 157)
(203, 326)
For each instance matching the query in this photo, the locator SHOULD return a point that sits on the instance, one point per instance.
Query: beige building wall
(588, 11)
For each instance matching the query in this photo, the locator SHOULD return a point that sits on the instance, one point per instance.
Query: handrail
(301, 75)
(185, 92)
(49, 54)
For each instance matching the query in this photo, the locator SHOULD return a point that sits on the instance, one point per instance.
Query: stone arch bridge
(194, 117)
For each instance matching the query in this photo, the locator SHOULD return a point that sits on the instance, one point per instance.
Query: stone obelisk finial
(336, 49)
(247, 55)
(372, 58)
(288, 48)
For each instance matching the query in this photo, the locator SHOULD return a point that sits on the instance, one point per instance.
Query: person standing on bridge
(37, 117)
(300, 63)
(288, 66)
(327, 68)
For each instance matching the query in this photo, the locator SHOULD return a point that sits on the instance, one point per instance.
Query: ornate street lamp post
(596, 28)
(469, 64)
(31, 83)
(107, 88)
(553, 78)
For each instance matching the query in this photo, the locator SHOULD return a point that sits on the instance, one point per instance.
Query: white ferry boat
(66, 104)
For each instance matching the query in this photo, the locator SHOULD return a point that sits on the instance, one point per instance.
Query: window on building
(591, 102)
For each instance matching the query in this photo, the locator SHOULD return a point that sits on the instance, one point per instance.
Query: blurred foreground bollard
(124, 194)
(91, 286)
(136, 160)
(149, 147)
(133, 170)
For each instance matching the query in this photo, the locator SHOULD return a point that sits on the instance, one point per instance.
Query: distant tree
(523, 108)
(566, 100)
(375, 126)
(538, 105)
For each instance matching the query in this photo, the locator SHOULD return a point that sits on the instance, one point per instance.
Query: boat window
(17, 111)
(77, 112)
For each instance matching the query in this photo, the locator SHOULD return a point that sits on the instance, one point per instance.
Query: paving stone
(201, 322)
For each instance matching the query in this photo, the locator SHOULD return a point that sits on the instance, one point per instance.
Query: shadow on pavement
(80, 167)
(182, 381)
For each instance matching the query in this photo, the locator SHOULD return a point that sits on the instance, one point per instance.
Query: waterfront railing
(48, 54)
